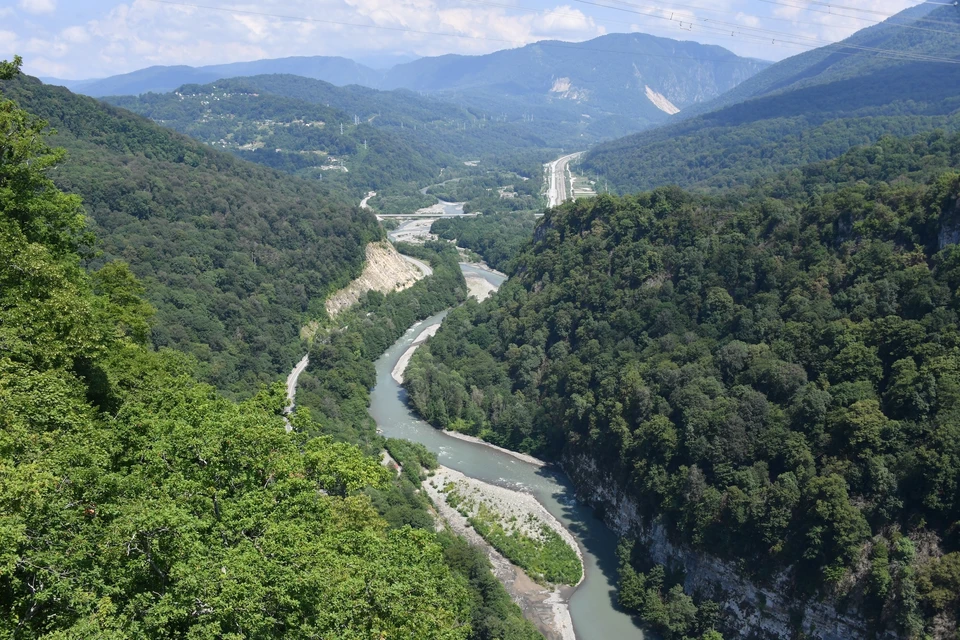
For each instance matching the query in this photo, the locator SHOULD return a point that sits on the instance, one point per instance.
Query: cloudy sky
(75, 39)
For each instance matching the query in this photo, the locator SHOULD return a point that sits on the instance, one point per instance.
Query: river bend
(592, 606)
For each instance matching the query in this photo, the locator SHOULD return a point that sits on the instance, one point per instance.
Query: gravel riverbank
(547, 608)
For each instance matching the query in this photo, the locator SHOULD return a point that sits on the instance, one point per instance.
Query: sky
(79, 39)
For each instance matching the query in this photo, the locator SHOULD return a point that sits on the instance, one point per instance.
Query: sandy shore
(482, 265)
(479, 287)
(516, 454)
(397, 373)
(547, 608)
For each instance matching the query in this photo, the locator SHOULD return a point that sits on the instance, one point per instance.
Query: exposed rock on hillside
(385, 271)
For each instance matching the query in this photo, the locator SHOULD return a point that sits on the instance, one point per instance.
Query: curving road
(363, 203)
(559, 186)
(419, 264)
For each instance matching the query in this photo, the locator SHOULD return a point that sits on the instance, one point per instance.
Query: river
(593, 604)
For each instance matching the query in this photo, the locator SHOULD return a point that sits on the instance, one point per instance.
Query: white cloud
(8, 41)
(38, 6)
(75, 35)
(138, 33)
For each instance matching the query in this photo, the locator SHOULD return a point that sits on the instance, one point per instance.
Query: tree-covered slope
(466, 129)
(812, 107)
(137, 502)
(607, 75)
(292, 134)
(161, 79)
(234, 256)
(773, 375)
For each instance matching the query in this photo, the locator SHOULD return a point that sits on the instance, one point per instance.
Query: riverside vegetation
(526, 541)
(137, 501)
(774, 374)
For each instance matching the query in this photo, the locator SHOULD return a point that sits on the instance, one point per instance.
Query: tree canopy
(774, 374)
(136, 501)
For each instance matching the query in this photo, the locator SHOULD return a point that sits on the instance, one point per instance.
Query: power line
(552, 44)
(885, 15)
(718, 32)
(829, 11)
(784, 39)
(818, 24)
(775, 35)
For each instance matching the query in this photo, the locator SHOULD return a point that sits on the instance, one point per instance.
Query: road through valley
(559, 186)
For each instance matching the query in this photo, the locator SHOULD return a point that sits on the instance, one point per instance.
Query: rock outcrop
(764, 611)
(385, 271)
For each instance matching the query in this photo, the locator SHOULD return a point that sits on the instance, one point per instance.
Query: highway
(559, 186)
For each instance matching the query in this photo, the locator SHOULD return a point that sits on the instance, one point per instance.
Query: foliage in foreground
(775, 375)
(137, 502)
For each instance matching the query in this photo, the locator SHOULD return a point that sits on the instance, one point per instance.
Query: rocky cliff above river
(749, 609)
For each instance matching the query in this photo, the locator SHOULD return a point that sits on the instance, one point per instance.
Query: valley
(623, 337)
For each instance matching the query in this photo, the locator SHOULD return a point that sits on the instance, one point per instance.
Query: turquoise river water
(593, 604)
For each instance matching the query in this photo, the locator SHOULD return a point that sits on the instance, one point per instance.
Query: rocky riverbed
(547, 607)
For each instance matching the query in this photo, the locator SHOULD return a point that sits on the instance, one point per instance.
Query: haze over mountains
(627, 77)
(753, 378)
(810, 107)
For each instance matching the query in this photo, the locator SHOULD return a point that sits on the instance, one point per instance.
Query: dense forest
(773, 374)
(137, 501)
(233, 256)
(496, 237)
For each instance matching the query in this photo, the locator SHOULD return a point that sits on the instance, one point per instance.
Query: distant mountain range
(161, 79)
(626, 82)
(813, 106)
(633, 76)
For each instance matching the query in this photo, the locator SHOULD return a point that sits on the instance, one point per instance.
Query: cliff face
(950, 225)
(385, 271)
(762, 610)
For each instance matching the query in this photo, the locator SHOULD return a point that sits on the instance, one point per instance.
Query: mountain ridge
(811, 107)
(548, 79)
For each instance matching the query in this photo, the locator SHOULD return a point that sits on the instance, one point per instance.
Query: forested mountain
(633, 77)
(457, 128)
(848, 58)
(811, 107)
(773, 375)
(606, 87)
(292, 134)
(161, 79)
(233, 256)
(138, 502)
